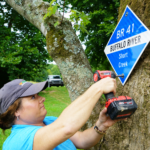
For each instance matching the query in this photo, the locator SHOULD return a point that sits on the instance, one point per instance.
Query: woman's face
(32, 110)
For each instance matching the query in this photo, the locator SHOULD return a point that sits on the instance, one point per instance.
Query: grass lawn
(57, 99)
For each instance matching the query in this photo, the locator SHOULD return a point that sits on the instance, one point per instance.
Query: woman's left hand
(104, 121)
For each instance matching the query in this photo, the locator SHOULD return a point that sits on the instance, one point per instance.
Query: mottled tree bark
(134, 134)
(62, 44)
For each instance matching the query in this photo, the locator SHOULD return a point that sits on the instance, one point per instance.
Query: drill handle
(109, 95)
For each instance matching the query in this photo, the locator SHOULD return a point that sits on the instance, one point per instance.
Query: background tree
(103, 20)
(22, 46)
(102, 24)
(103, 17)
(53, 69)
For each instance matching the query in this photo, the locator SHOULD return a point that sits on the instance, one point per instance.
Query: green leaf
(52, 2)
(54, 9)
(51, 10)
(80, 18)
(56, 24)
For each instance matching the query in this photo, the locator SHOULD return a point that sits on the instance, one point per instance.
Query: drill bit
(122, 75)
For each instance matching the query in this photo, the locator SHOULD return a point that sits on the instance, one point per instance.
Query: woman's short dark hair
(7, 118)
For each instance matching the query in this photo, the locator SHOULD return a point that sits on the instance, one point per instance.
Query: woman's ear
(17, 113)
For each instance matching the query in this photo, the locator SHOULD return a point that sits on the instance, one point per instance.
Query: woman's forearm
(86, 139)
(76, 114)
(91, 136)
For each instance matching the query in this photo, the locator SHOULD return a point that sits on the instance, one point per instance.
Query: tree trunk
(134, 134)
(62, 44)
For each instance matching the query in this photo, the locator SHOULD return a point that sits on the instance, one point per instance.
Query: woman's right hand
(107, 85)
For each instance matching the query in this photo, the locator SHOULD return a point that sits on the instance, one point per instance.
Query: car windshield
(56, 77)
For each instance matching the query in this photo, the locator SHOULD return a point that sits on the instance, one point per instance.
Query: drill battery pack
(120, 107)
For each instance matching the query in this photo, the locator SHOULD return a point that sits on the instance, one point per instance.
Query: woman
(23, 109)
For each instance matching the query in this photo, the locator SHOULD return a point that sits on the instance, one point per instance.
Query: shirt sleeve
(49, 119)
(22, 139)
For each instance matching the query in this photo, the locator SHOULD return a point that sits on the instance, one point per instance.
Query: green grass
(57, 99)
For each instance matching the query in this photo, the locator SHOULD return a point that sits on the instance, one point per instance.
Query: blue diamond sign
(127, 44)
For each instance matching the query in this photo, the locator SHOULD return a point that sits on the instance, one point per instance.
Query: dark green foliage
(103, 20)
(42, 77)
(103, 14)
(22, 46)
(22, 52)
(53, 70)
(3, 76)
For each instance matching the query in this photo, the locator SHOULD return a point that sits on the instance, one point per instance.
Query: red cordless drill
(117, 107)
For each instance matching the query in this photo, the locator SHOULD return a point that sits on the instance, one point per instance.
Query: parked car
(54, 80)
